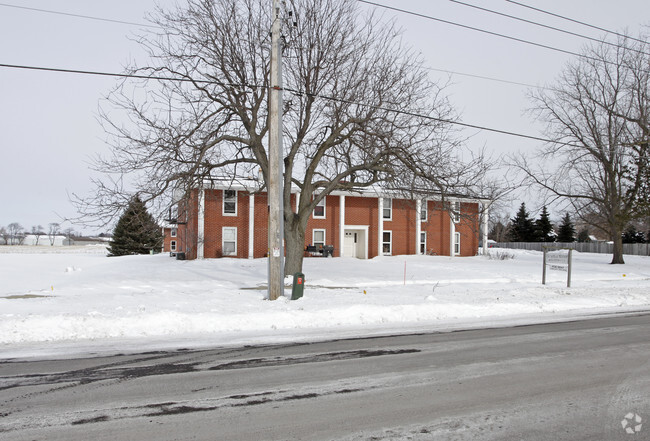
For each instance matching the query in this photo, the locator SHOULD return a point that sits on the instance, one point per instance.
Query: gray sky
(48, 126)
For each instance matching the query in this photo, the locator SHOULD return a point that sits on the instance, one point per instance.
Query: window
(318, 238)
(456, 212)
(172, 245)
(173, 232)
(423, 211)
(229, 241)
(456, 243)
(423, 242)
(230, 203)
(319, 210)
(386, 243)
(388, 209)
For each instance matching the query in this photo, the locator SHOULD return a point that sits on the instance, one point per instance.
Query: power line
(576, 21)
(89, 17)
(473, 28)
(534, 23)
(151, 26)
(482, 77)
(294, 91)
(484, 31)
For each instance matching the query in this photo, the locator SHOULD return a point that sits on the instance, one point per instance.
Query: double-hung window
(173, 232)
(319, 210)
(388, 209)
(423, 242)
(318, 238)
(230, 203)
(229, 241)
(457, 243)
(387, 243)
(423, 211)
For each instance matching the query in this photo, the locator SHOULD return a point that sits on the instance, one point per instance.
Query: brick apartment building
(230, 221)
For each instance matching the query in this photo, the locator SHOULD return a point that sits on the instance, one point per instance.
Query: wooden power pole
(275, 183)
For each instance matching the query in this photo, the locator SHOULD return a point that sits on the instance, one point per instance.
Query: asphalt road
(566, 381)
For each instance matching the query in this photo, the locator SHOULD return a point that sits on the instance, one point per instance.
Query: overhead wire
(294, 91)
(89, 17)
(576, 21)
(485, 31)
(542, 25)
(157, 27)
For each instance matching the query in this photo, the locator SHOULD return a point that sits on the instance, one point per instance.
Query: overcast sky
(48, 125)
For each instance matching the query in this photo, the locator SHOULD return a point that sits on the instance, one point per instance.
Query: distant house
(232, 221)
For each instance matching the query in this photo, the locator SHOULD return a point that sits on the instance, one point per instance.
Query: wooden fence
(636, 249)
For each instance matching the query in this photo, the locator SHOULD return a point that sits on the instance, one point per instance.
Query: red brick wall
(215, 220)
(330, 224)
(167, 235)
(437, 229)
(358, 211)
(402, 227)
(363, 211)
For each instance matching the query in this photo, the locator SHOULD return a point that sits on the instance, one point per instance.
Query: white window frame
(456, 212)
(424, 213)
(223, 203)
(389, 243)
(224, 241)
(173, 232)
(172, 246)
(457, 243)
(313, 236)
(388, 205)
(320, 204)
(423, 243)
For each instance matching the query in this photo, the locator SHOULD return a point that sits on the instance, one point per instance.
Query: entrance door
(350, 244)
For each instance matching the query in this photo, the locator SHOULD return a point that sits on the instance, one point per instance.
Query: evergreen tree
(631, 235)
(544, 227)
(522, 228)
(136, 232)
(583, 236)
(567, 231)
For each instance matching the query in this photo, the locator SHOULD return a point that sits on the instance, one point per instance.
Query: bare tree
(359, 110)
(15, 232)
(598, 116)
(52, 231)
(37, 231)
(4, 235)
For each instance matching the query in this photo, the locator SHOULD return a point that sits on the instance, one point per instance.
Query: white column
(418, 225)
(200, 236)
(486, 212)
(452, 235)
(380, 227)
(341, 224)
(251, 226)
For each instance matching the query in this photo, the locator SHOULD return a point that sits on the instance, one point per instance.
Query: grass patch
(24, 296)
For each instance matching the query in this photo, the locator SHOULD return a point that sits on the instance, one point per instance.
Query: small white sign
(276, 252)
(557, 260)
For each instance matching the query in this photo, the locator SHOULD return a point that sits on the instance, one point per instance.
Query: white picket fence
(636, 249)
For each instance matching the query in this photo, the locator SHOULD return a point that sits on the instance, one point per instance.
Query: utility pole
(275, 183)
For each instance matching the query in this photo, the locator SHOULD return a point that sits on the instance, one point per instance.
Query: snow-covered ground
(75, 299)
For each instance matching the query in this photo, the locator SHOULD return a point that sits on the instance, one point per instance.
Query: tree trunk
(294, 235)
(617, 255)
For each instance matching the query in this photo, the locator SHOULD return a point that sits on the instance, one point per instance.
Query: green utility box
(298, 286)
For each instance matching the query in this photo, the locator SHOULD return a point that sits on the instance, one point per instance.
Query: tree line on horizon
(524, 228)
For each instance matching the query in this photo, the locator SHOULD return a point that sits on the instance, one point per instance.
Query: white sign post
(556, 259)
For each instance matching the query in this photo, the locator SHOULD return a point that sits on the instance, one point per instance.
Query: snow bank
(83, 296)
